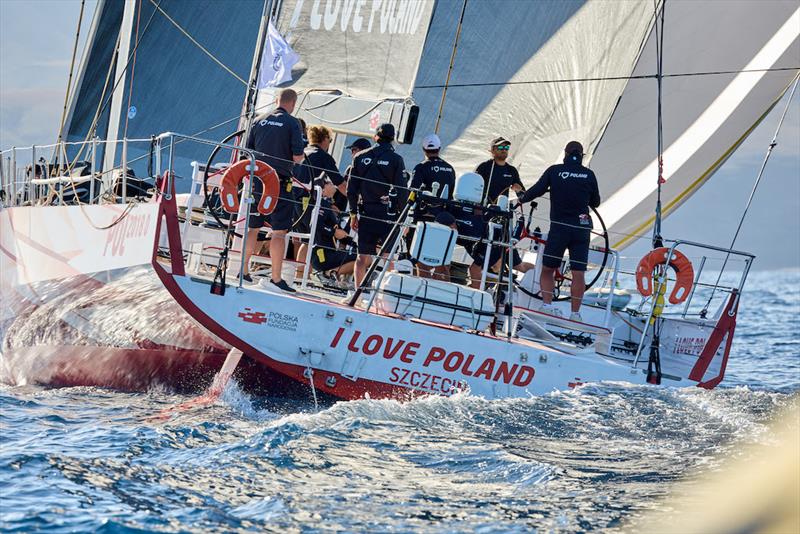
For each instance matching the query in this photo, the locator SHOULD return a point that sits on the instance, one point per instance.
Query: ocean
(593, 458)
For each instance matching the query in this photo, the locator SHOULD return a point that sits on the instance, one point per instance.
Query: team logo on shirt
(367, 161)
(566, 174)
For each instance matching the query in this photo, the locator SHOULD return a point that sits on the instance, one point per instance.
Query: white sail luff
(645, 182)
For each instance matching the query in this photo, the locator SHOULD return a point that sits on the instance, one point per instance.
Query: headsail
(706, 117)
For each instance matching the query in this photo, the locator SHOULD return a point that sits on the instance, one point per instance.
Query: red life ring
(229, 190)
(680, 263)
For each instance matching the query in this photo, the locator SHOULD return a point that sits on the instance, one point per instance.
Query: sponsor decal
(566, 174)
(451, 361)
(384, 16)
(375, 119)
(131, 226)
(689, 345)
(249, 316)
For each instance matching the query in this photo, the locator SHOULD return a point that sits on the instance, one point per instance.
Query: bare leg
(547, 281)
(300, 257)
(252, 246)
(346, 269)
(577, 288)
(442, 273)
(276, 251)
(362, 266)
(475, 276)
(424, 271)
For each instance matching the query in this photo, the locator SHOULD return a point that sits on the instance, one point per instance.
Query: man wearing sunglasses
(499, 176)
(573, 190)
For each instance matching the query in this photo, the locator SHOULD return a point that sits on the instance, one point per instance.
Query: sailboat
(437, 67)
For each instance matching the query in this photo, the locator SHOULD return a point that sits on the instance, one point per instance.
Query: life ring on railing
(680, 263)
(229, 194)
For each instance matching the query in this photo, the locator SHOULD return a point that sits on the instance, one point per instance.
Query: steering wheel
(565, 275)
(213, 203)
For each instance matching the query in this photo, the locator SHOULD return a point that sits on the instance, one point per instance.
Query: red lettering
(394, 377)
(389, 351)
(403, 378)
(435, 355)
(352, 346)
(337, 337)
(372, 344)
(434, 380)
(466, 370)
(449, 364)
(415, 374)
(425, 382)
(486, 369)
(410, 350)
(505, 373)
(524, 376)
(446, 384)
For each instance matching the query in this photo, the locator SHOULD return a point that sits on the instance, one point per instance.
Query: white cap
(431, 142)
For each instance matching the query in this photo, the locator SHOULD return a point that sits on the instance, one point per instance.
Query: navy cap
(359, 144)
(445, 218)
(574, 147)
(385, 131)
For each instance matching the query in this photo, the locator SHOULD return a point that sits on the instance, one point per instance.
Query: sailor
(326, 257)
(573, 190)
(433, 178)
(318, 162)
(499, 176)
(277, 139)
(376, 172)
(339, 199)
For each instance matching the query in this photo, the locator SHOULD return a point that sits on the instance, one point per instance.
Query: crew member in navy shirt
(278, 141)
(434, 177)
(573, 190)
(376, 171)
(499, 176)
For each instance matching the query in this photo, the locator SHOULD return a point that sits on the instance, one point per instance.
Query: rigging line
(450, 68)
(609, 78)
(771, 146)
(197, 44)
(657, 241)
(69, 81)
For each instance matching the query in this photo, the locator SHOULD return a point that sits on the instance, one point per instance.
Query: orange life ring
(229, 194)
(680, 263)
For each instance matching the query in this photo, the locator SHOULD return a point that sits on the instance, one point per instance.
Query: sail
(175, 85)
(87, 98)
(538, 73)
(705, 117)
(366, 49)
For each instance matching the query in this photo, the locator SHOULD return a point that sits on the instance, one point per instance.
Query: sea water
(86, 459)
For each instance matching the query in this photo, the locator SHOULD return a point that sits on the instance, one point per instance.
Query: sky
(34, 68)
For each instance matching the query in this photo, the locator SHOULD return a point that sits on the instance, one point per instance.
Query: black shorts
(282, 216)
(562, 238)
(478, 254)
(373, 229)
(302, 211)
(328, 260)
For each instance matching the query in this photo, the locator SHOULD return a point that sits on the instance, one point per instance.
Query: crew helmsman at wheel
(278, 140)
(573, 190)
(376, 171)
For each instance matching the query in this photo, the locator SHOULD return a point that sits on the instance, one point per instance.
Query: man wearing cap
(339, 199)
(573, 190)
(434, 176)
(499, 176)
(278, 141)
(376, 171)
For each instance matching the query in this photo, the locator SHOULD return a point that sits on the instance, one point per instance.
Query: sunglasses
(502, 147)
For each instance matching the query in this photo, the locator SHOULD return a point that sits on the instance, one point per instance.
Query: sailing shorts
(282, 216)
(373, 229)
(329, 260)
(302, 211)
(562, 238)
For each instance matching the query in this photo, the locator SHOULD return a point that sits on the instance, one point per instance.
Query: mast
(249, 104)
